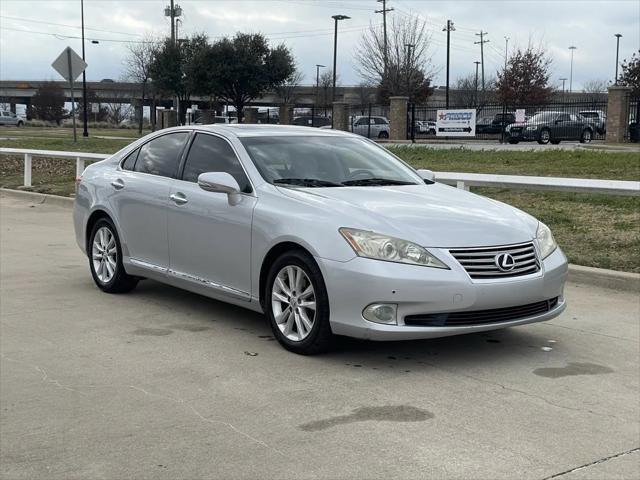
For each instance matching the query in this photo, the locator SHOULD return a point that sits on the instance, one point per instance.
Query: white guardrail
(460, 180)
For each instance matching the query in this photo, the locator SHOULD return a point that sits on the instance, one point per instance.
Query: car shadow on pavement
(196, 313)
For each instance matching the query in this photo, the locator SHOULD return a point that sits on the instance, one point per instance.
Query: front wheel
(586, 136)
(545, 137)
(513, 141)
(297, 304)
(20, 124)
(105, 259)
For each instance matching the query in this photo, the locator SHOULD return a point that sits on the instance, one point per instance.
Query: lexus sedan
(551, 127)
(325, 232)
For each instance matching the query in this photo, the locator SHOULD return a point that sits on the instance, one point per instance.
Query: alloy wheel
(104, 254)
(293, 302)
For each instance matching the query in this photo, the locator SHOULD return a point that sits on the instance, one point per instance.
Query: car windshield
(326, 162)
(543, 117)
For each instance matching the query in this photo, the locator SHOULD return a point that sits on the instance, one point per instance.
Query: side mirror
(220, 182)
(427, 175)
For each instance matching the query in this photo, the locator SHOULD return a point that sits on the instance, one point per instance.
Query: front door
(209, 234)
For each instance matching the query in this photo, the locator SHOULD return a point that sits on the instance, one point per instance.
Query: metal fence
(493, 118)
(633, 133)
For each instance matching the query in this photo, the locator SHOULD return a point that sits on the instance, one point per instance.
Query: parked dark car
(484, 125)
(309, 121)
(551, 127)
(501, 120)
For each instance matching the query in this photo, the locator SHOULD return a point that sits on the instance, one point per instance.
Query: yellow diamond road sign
(69, 64)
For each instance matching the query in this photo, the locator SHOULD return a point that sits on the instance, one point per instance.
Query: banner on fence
(456, 123)
(520, 115)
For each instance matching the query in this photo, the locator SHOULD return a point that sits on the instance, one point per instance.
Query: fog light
(381, 313)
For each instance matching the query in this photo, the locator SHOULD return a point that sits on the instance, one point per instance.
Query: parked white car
(373, 127)
(10, 119)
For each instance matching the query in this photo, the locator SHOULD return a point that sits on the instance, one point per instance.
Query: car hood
(430, 215)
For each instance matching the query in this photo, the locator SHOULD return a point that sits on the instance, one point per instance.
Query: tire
(383, 135)
(293, 333)
(20, 124)
(544, 137)
(587, 136)
(554, 142)
(513, 141)
(108, 272)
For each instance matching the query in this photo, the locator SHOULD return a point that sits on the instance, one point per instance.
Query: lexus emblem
(505, 262)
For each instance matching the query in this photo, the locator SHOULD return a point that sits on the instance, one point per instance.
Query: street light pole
(617, 35)
(318, 67)
(336, 18)
(562, 80)
(572, 48)
(449, 28)
(85, 131)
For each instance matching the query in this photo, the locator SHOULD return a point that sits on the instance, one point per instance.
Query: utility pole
(318, 67)
(336, 18)
(617, 35)
(572, 48)
(449, 28)
(85, 131)
(173, 11)
(563, 80)
(476, 82)
(481, 43)
(384, 29)
(408, 65)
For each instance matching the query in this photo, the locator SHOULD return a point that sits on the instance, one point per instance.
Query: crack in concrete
(591, 464)
(181, 401)
(45, 376)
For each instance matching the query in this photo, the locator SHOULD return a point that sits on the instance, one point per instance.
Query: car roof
(267, 130)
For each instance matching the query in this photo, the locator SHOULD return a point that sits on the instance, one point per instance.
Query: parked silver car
(10, 119)
(373, 127)
(325, 232)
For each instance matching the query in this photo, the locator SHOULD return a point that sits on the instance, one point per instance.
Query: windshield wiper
(376, 182)
(306, 182)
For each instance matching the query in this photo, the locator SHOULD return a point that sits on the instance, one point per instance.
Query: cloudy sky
(34, 32)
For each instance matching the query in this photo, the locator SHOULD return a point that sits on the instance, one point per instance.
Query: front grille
(481, 316)
(516, 129)
(480, 263)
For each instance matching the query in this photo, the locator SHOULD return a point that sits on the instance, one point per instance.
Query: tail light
(78, 181)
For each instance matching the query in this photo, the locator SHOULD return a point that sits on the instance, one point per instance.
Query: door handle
(178, 198)
(118, 184)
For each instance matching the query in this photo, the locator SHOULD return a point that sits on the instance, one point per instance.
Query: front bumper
(524, 135)
(416, 290)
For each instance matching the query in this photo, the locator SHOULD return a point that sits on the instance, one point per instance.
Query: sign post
(70, 65)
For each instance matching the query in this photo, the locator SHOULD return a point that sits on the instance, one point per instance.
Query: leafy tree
(402, 73)
(244, 67)
(525, 80)
(631, 73)
(48, 103)
(139, 61)
(176, 69)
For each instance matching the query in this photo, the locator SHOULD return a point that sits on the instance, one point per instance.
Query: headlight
(532, 127)
(381, 247)
(545, 240)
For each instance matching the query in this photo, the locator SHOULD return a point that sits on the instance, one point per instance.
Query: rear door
(210, 235)
(141, 189)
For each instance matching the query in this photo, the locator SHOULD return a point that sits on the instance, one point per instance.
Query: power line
(67, 26)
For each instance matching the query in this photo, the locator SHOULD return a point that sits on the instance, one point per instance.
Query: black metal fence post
(369, 123)
(413, 123)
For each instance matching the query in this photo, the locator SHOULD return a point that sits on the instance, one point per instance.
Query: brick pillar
(284, 114)
(250, 115)
(169, 118)
(618, 114)
(340, 116)
(398, 120)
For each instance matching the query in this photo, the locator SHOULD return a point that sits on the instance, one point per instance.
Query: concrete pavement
(161, 383)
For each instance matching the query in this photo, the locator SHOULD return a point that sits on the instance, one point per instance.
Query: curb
(39, 198)
(598, 277)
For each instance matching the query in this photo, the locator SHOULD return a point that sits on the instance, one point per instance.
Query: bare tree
(325, 84)
(138, 66)
(118, 112)
(408, 67)
(465, 92)
(288, 90)
(595, 86)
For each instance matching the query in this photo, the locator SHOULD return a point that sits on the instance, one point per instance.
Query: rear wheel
(105, 259)
(513, 141)
(383, 135)
(544, 137)
(297, 305)
(586, 136)
(20, 124)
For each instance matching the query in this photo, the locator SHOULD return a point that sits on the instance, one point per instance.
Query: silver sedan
(325, 232)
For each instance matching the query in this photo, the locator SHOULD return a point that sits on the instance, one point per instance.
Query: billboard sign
(456, 123)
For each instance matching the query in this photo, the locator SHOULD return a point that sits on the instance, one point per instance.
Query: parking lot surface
(161, 383)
